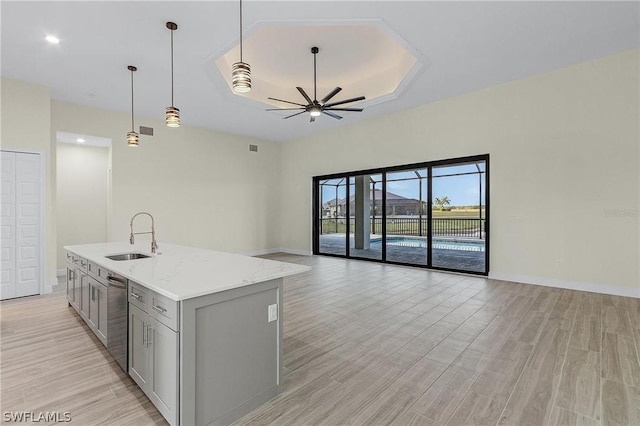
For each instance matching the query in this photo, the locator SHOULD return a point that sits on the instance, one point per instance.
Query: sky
(462, 190)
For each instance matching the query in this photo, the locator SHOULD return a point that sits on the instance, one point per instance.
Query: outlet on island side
(273, 312)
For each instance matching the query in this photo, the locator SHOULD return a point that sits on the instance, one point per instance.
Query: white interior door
(8, 225)
(21, 224)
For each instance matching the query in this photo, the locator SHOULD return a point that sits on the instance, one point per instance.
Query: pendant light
(172, 114)
(132, 136)
(241, 71)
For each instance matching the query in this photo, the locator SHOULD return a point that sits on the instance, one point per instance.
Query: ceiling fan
(315, 107)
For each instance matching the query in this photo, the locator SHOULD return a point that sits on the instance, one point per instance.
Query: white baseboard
(295, 251)
(260, 252)
(569, 285)
(277, 250)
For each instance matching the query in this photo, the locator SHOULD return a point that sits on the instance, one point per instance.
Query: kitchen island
(204, 327)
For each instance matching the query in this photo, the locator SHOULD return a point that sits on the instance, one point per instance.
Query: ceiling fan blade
(332, 115)
(331, 95)
(312, 119)
(284, 109)
(304, 94)
(287, 102)
(293, 115)
(359, 98)
(344, 109)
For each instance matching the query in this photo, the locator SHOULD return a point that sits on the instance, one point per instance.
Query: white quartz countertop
(181, 272)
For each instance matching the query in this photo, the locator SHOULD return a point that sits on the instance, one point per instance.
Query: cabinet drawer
(164, 310)
(97, 271)
(77, 261)
(139, 295)
(156, 305)
(82, 263)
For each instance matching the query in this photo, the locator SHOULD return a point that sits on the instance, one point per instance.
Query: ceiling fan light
(132, 139)
(315, 111)
(172, 116)
(241, 77)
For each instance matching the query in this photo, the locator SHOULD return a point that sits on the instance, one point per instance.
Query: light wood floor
(373, 344)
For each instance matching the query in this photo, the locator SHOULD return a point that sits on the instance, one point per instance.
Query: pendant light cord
(132, 126)
(315, 95)
(240, 30)
(172, 68)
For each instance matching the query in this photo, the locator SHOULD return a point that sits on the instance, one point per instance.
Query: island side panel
(231, 363)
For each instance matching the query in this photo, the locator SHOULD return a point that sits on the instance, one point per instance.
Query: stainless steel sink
(127, 256)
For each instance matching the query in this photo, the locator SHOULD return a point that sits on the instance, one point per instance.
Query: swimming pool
(466, 245)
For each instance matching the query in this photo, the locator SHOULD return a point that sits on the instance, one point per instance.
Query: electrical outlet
(273, 312)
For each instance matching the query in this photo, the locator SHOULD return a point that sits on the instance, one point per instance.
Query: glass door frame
(429, 165)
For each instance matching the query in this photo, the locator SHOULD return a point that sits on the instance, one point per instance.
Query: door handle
(116, 282)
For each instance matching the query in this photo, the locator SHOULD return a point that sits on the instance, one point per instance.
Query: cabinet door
(70, 289)
(163, 392)
(94, 305)
(138, 349)
(73, 288)
(101, 331)
(84, 296)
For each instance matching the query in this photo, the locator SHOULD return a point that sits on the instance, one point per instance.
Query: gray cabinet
(71, 284)
(139, 363)
(97, 318)
(76, 283)
(153, 349)
(84, 296)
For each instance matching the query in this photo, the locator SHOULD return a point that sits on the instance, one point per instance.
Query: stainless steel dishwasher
(117, 317)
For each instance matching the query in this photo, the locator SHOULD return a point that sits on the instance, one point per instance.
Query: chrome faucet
(154, 245)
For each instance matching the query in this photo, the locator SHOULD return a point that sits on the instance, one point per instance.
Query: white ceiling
(83, 140)
(466, 45)
(361, 57)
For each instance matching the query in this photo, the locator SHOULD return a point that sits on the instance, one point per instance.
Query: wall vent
(146, 131)
(253, 148)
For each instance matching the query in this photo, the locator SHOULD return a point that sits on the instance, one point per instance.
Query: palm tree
(442, 201)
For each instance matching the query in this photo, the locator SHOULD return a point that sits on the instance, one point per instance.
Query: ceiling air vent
(253, 148)
(146, 131)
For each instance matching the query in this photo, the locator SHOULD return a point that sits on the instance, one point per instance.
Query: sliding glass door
(331, 217)
(432, 214)
(458, 211)
(407, 216)
(365, 207)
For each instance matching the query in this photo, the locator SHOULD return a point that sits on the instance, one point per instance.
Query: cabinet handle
(149, 334)
(83, 263)
(135, 296)
(144, 333)
(159, 309)
(93, 293)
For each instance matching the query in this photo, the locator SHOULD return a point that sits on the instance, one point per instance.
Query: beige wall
(203, 187)
(565, 170)
(25, 124)
(81, 196)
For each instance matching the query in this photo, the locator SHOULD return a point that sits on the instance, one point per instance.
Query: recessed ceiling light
(52, 39)
(80, 140)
